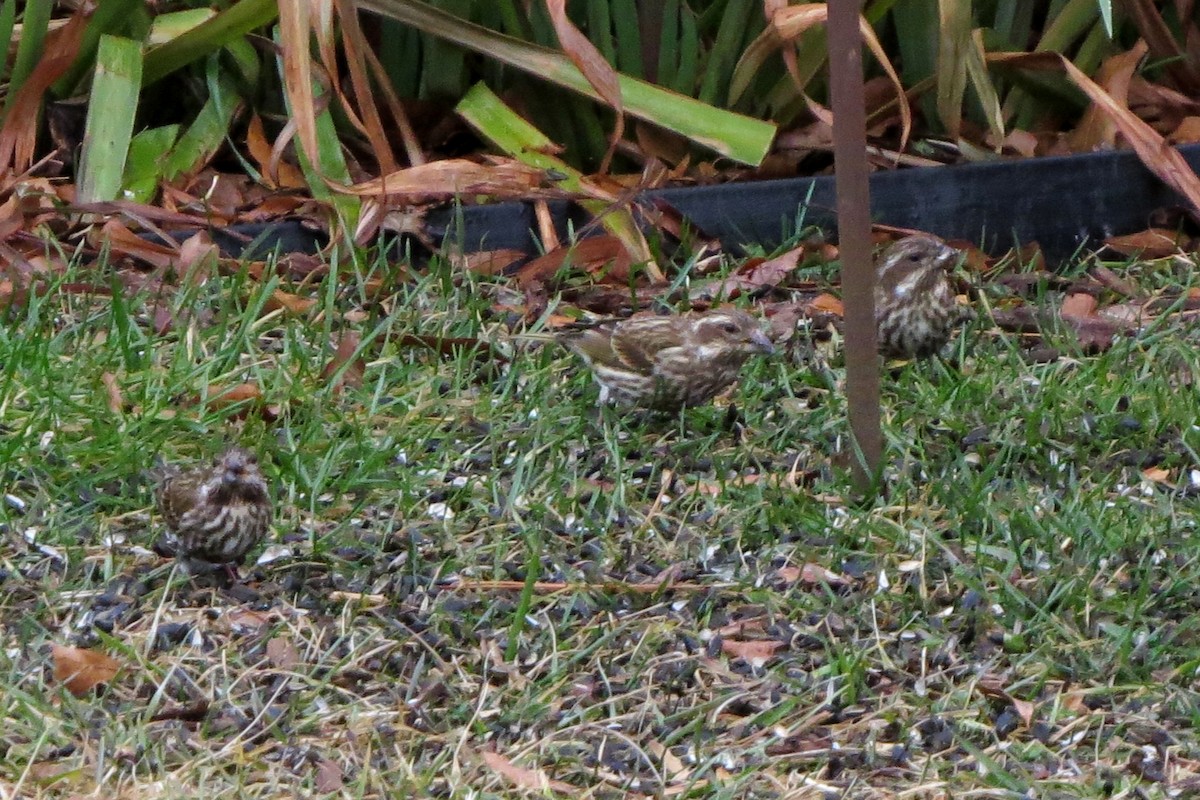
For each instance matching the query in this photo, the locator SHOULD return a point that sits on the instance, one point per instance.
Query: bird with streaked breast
(915, 306)
(217, 513)
(670, 362)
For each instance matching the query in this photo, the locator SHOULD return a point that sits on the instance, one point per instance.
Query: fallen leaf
(828, 304)
(754, 275)
(1151, 243)
(755, 652)
(343, 369)
(219, 396)
(1079, 305)
(1160, 158)
(116, 402)
(82, 670)
(1024, 710)
(489, 262)
(456, 177)
(198, 259)
(1157, 474)
(329, 776)
(594, 254)
(282, 653)
(816, 574)
(244, 621)
(992, 686)
(525, 778)
(1186, 132)
(291, 303)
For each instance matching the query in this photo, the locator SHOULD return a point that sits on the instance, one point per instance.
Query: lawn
(480, 584)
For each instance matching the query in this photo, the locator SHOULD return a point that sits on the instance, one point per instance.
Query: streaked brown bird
(666, 363)
(217, 513)
(915, 309)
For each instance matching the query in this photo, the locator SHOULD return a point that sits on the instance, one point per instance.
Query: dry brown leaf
(1157, 474)
(1094, 334)
(812, 573)
(282, 653)
(790, 22)
(1031, 257)
(116, 402)
(219, 396)
(594, 66)
(489, 262)
(1020, 142)
(592, 254)
(291, 303)
(244, 621)
(1186, 132)
(755, 652)
(18, 137)
(1097, 130)
(198, 259)
(535, 779)
(992, 686)
(1024, 710)
(828, 304)
(1150, 243)
(1159, 157)
(1078, 305)
(277, 172)
(752, 276)
(82, 670)
(1126, 315)
(345, 345)
(329, 776)
(123, 242)
(455, 177)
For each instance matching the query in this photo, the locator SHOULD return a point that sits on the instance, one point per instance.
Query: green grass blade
(207, 132)
(111, 113)
(208, 37)
(487, 114)
(147, 153)
(628, 38)
(35, 22)
(8, 18)
(117, 17)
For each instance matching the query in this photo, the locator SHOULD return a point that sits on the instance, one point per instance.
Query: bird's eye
(730, 327)
(914, 256)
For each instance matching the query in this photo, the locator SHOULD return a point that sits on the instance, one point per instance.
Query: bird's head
(911, 263)
(733, 329)
(237, 474)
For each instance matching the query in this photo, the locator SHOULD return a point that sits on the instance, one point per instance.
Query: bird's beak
(948, 258)
(762, 342)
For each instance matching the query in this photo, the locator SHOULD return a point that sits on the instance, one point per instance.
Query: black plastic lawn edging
(1066, 204)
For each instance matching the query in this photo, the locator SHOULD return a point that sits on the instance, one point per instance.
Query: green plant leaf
(738, 137)
(110, 117)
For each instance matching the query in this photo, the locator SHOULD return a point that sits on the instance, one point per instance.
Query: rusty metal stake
(854, 238)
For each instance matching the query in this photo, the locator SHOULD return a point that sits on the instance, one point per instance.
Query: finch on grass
(915, 307)
(216, 513)
(666, 363)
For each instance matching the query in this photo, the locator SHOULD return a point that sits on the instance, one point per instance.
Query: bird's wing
(176, 496)
(594, 344)
(641, 341)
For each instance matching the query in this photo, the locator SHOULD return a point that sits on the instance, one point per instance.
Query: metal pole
(854, 237)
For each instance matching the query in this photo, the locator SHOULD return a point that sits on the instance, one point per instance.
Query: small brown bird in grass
(217, 513)
(915, 309)
(666, 363)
